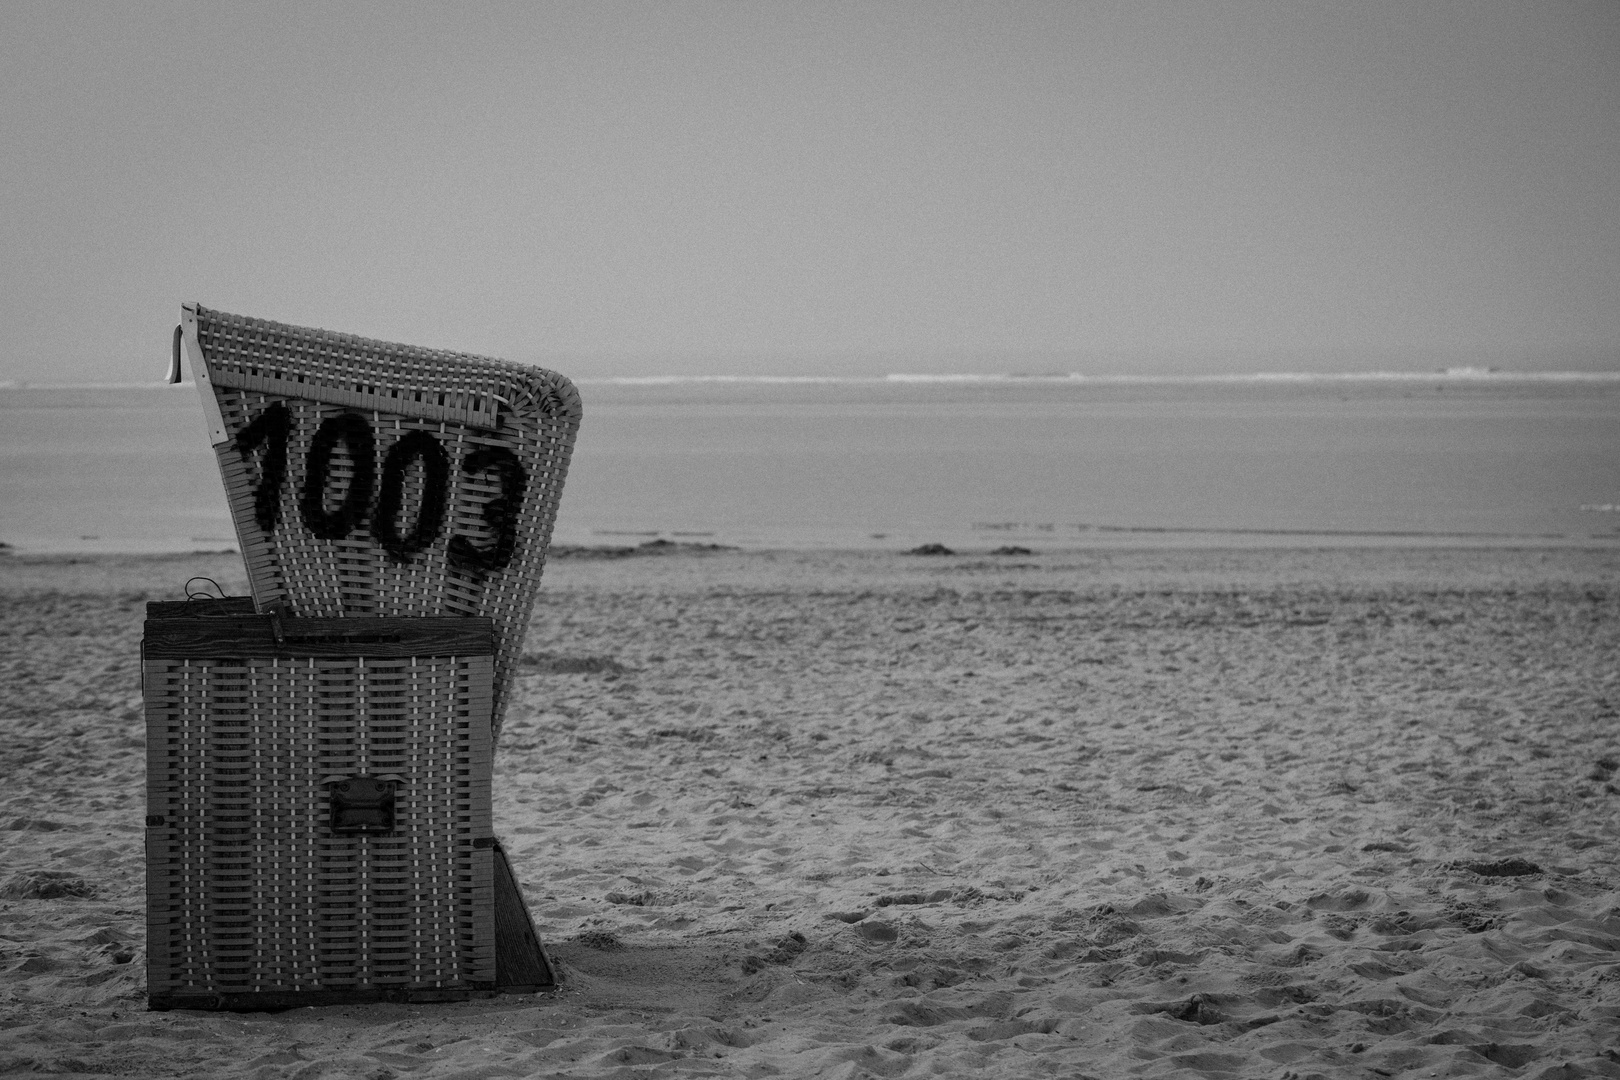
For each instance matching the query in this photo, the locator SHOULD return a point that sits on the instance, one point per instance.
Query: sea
(972, 462)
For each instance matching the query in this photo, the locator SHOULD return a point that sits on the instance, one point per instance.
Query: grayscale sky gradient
(816, 187)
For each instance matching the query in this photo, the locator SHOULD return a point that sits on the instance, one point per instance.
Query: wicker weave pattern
(465, 402)
(374, 376)
(249, 890)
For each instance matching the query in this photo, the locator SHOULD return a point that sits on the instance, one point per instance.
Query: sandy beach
(1284, 814)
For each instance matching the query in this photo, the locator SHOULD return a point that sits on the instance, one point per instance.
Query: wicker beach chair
(373, 479)
(319, 823)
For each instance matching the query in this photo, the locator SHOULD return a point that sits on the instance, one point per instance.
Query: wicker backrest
(373, 479)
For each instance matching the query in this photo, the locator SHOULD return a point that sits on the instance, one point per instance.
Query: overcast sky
(799, 187)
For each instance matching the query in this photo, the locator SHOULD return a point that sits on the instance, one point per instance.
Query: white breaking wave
(1449, 375)
(1464, 374)
(668, 380)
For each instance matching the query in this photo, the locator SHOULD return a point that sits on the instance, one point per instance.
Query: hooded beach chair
(319, 821)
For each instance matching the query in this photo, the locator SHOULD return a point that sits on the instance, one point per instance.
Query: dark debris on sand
(1514, 867)
(46, 885)
(620, 551)
(553, 664)
(600, 940)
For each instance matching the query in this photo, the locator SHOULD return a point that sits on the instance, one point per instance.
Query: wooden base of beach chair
(318, 824)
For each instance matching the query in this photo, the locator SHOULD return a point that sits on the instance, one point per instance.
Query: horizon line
(1454, 374)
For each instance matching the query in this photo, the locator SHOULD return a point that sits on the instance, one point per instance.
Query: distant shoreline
(1071, 378)
(1108, 539)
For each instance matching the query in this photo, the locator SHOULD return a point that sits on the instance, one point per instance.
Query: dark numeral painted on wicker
(412, 446)
(356, 435)
(500, 513)
(270, 431)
